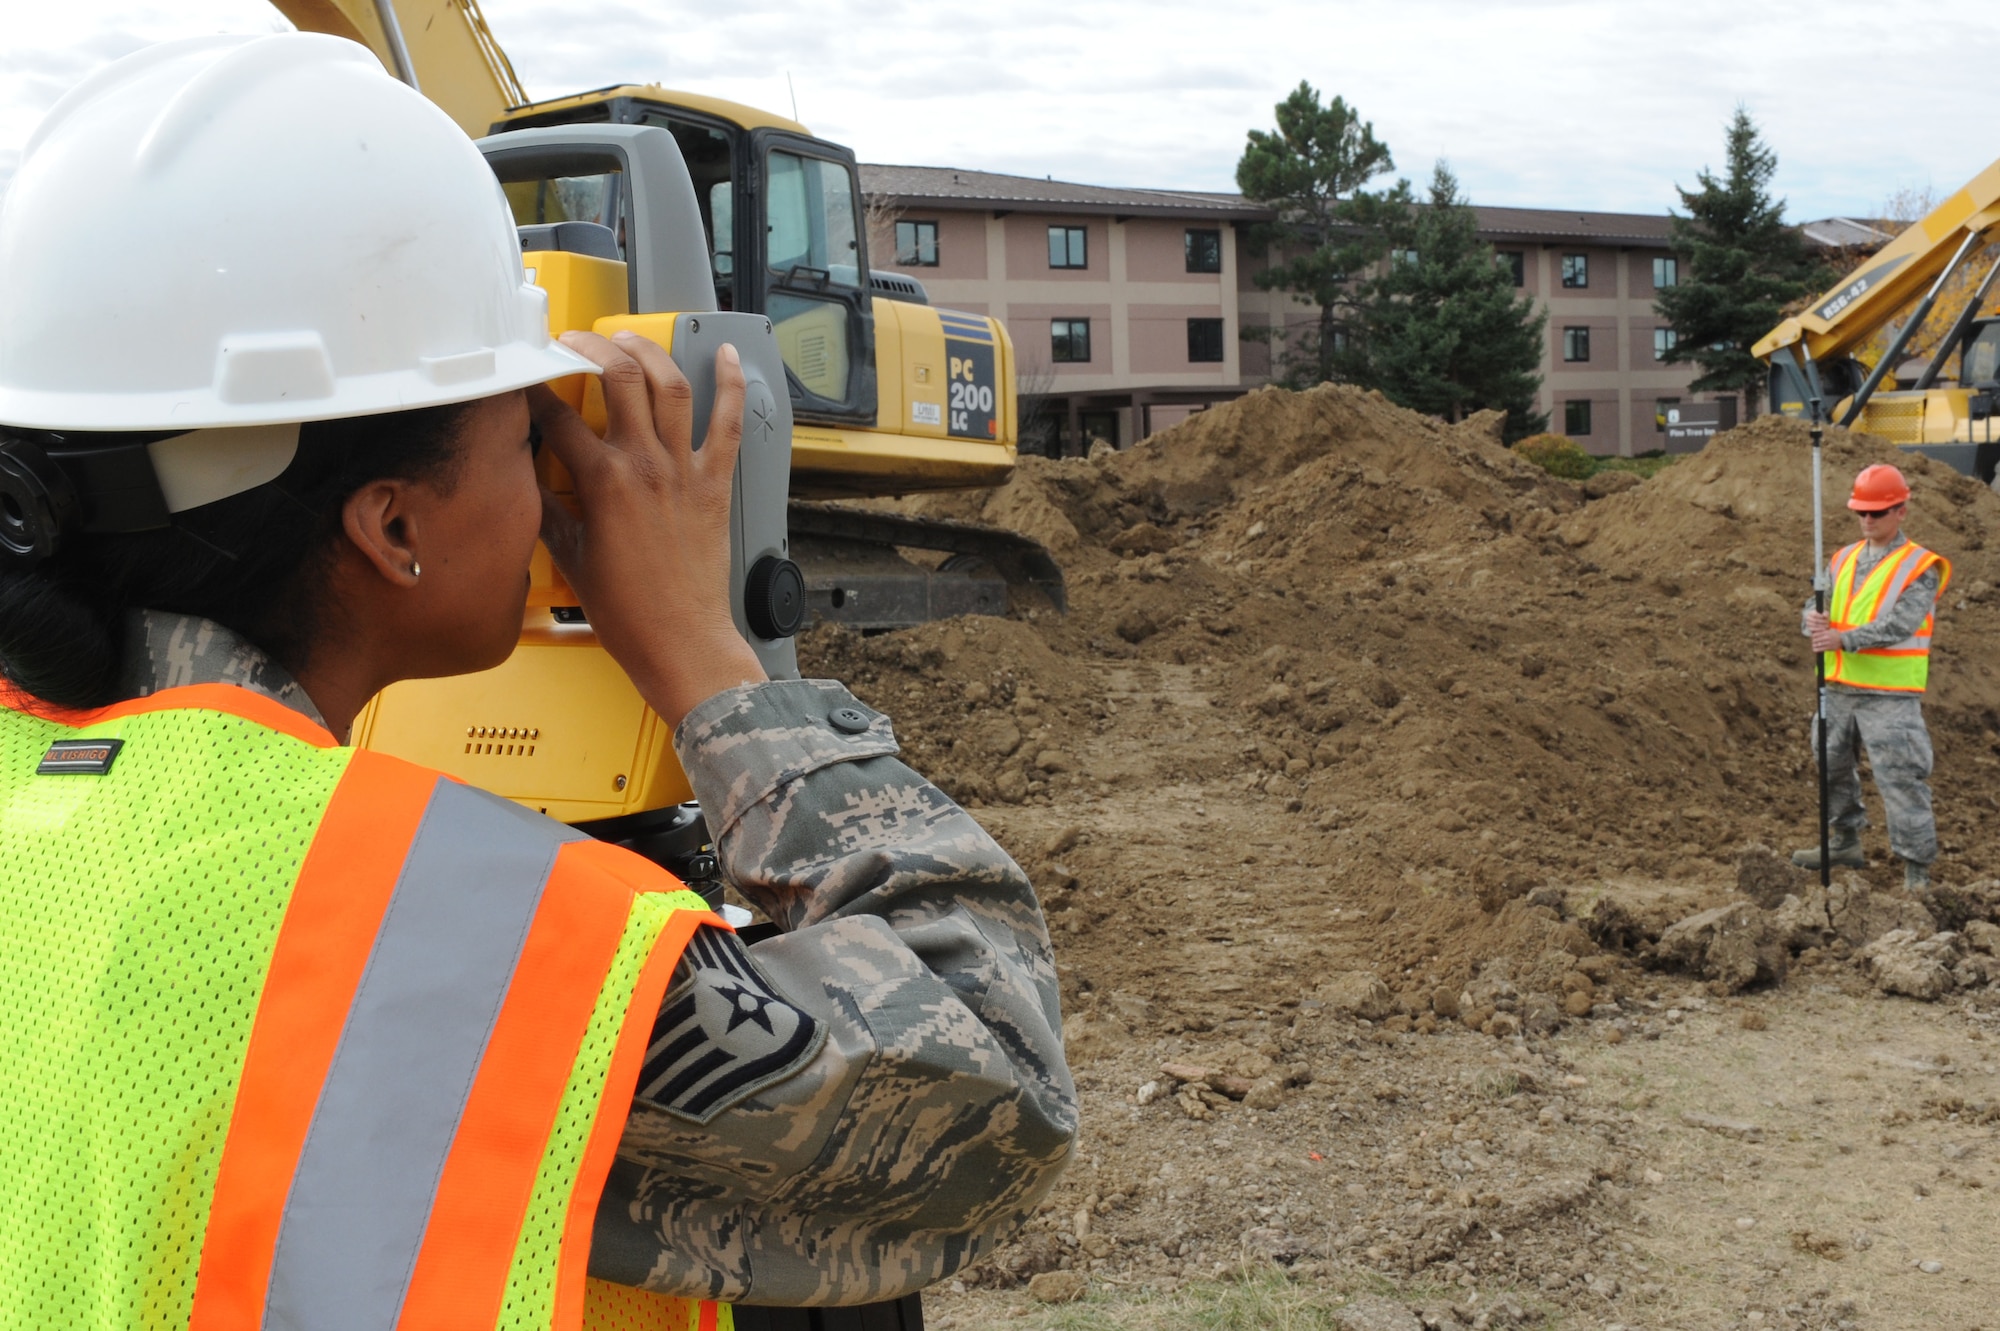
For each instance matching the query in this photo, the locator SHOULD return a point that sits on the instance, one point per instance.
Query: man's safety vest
(303, 1036)
(1901, 667)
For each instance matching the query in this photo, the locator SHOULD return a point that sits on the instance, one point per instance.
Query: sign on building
(1690, 425)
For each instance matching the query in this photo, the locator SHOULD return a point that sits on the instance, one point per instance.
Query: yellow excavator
(1951, 418)
(691, 219)
(889, 395)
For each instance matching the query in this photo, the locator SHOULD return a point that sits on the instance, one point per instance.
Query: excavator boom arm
(441, 47)
(1842, 319)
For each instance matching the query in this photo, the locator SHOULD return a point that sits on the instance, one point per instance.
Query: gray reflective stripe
(415, 1033)
(1910, 556)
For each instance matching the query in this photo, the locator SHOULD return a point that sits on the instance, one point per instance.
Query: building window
(1660, 405)
(1204, 251)
(1066, 250)
(1666, 272)
(1403, 258)
(1664, 340)
(1576, 344)
(1205, 341)
(1514, 262)
(1576, 270)
(916, 244)
(1069, 340)
(1576, 418)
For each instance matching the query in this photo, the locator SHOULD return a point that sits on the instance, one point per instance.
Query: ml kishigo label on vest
(79, 757)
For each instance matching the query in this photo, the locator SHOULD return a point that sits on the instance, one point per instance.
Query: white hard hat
(255, 231)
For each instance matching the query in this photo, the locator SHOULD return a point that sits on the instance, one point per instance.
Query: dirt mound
(1461, 678)
(1360, 727)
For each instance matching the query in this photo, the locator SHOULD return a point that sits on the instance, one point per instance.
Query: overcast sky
(1589, 104)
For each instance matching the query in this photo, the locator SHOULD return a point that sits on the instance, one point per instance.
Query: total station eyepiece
(38, 505)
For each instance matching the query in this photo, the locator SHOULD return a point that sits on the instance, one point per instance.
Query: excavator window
(812, 218)
(565, 199)
(1981, 366)
(814, 255)
(710, 158)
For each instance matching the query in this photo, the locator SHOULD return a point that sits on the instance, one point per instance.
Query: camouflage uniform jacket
(858, 1106)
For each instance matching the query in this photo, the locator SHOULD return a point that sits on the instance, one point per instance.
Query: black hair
(256, 562)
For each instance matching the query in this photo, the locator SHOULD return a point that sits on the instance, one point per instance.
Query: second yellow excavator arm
(443, 48)
(1842, 319)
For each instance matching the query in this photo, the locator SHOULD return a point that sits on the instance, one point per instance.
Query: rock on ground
(1903, 962)
(1369, 1312)
(1735, 946)
(1057, 1287)
(1358, 994)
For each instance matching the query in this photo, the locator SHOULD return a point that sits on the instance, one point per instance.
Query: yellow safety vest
(300, 1035)
(1900, 667)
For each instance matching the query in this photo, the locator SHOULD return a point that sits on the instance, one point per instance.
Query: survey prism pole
(1820, 589)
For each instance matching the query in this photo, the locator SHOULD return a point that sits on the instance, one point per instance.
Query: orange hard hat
(1879, 486)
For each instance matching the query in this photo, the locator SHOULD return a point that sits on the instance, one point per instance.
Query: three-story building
(1131, 308)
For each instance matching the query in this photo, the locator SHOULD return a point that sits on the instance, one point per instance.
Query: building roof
(1846, 233)
(1543, 224)
(950, 187)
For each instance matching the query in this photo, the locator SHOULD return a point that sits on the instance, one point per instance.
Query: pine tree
(1311, 173)
(1442, 329)
(1741, 266)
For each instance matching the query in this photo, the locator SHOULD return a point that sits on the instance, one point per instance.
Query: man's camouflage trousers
(1889, 727)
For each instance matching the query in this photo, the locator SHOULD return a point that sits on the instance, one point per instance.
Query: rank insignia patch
(724, 1033)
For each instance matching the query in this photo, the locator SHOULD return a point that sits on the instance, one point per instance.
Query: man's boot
(1917, 879)
(1844, 843)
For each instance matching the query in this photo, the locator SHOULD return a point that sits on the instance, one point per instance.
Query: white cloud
(1601, 104)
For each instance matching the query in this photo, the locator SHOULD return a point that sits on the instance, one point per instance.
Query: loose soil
(1365, 768)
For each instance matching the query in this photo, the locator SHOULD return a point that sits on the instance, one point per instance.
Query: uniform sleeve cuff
(746, 742)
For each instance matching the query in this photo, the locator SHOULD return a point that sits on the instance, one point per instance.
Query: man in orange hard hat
(1876, 634)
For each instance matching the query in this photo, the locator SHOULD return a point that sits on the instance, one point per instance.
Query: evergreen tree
(1311, 172)
(1741, 266)
(1442, 328)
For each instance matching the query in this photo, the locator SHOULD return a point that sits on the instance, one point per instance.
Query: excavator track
(857, 575)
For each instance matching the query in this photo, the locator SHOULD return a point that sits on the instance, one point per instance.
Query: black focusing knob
(774, 598)
(36, 503)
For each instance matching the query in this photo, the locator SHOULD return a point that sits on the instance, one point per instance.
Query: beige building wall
(1134, 289)
(1621, 380)
(1138, 296)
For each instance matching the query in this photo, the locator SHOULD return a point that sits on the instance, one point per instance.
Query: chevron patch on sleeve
(724, 1033)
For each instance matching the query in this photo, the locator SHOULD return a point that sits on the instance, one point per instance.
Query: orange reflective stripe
(489, 1177)
(1864, 604)
(1931, 560)
(229, 699)
(323, 946)
(614, 866)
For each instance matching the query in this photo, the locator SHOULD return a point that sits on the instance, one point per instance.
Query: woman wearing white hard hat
(294, 1034)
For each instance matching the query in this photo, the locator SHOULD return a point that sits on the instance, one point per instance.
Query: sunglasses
(1875, 512)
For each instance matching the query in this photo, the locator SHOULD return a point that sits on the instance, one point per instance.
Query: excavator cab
(1979, 366)
(783, 217)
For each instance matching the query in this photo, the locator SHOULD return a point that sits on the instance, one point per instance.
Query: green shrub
(1558, 455)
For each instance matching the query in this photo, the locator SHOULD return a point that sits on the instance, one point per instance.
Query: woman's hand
(649, 554)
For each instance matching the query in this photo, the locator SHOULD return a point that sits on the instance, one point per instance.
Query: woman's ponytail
(61, 637)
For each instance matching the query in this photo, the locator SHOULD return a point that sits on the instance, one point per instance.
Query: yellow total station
(559, 727)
